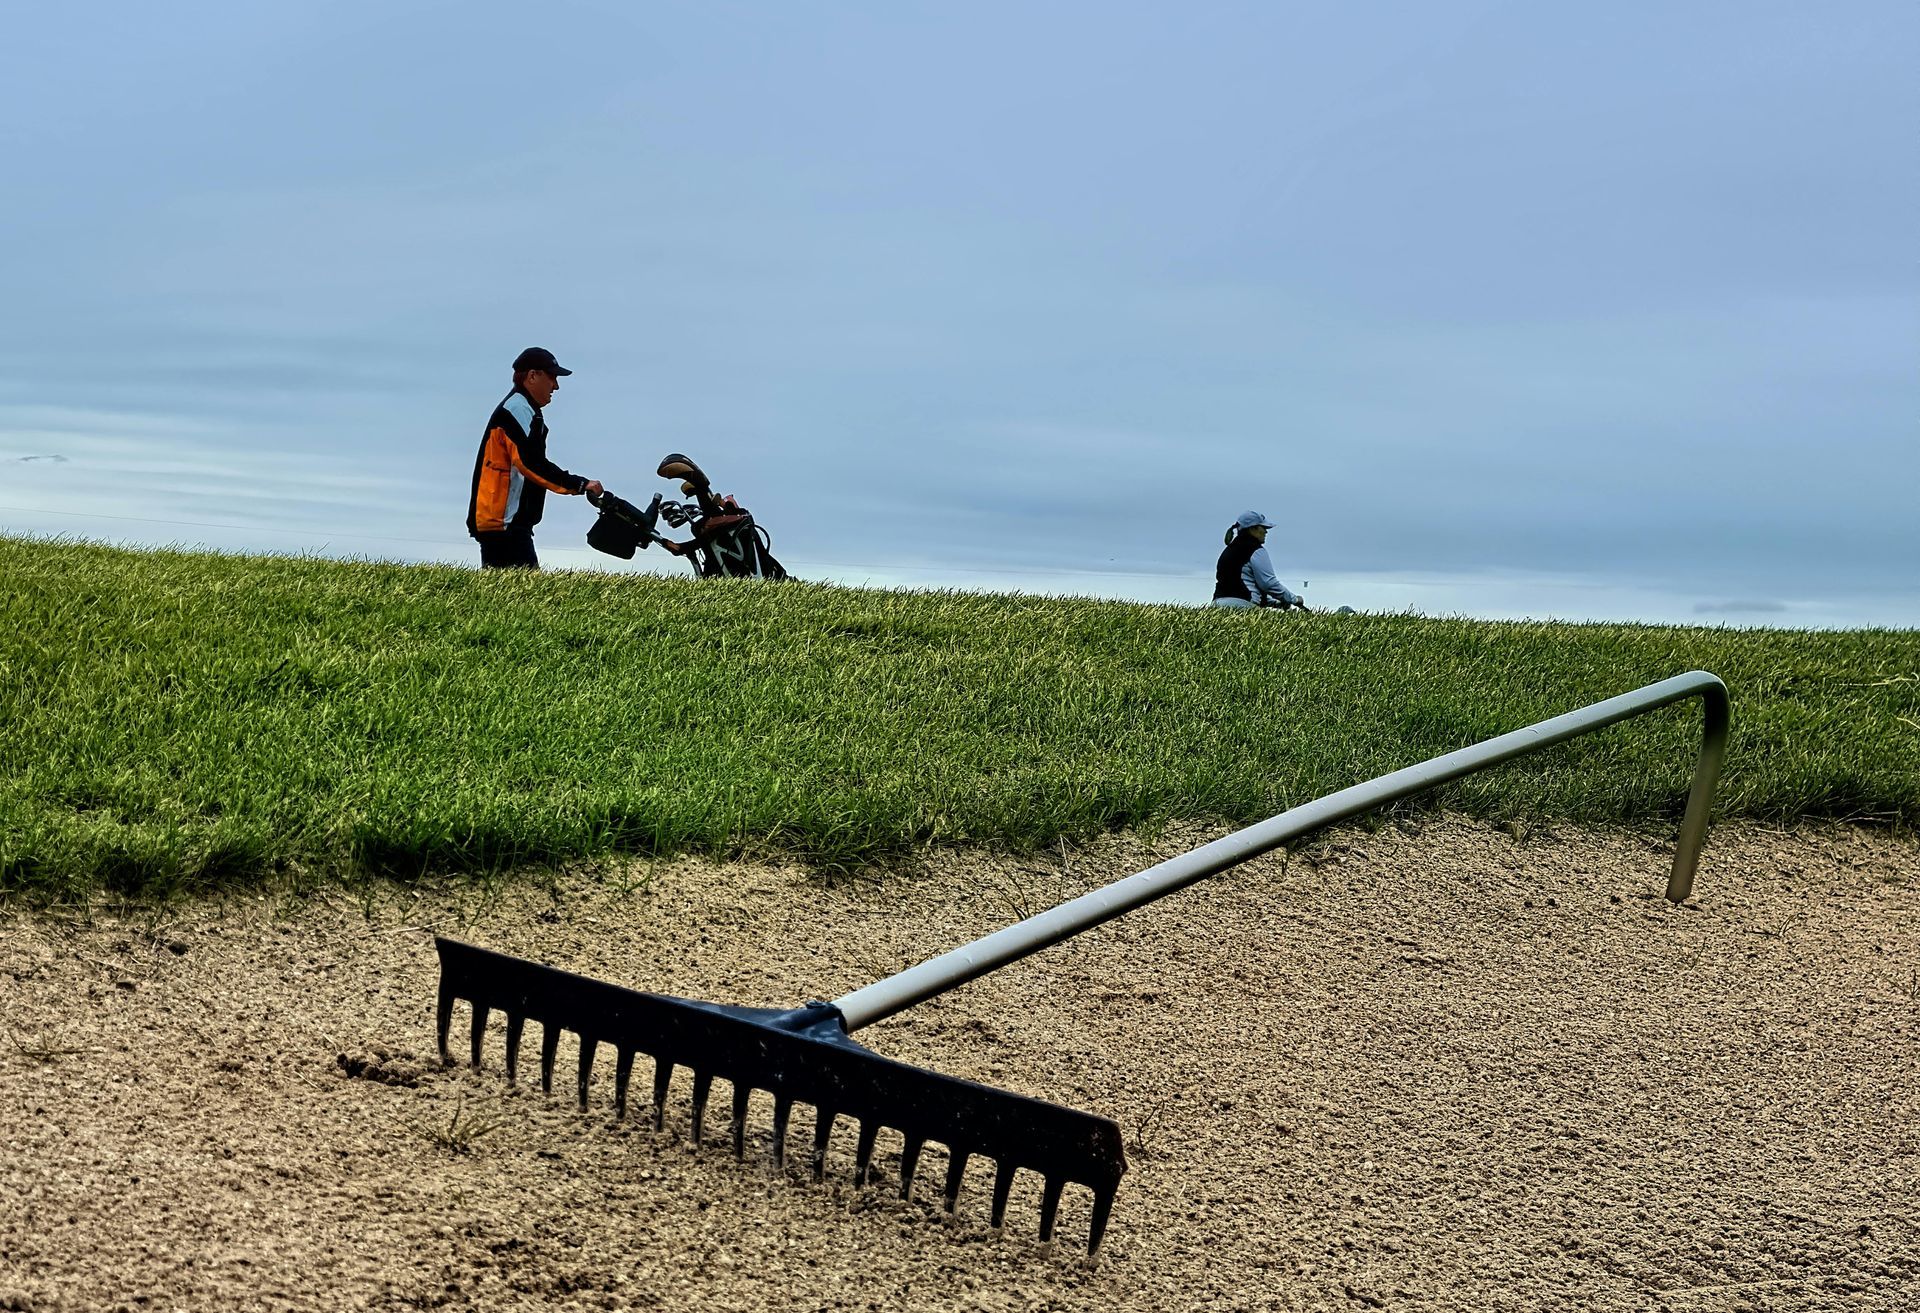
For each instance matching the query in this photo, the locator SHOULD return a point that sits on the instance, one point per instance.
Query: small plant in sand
(463, 1131)
(1143, 1129)
(40, 1050)
(630, 878)
(1017, 892)
(1020, 890)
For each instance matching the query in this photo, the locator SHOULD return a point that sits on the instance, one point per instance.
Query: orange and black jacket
(512, 475)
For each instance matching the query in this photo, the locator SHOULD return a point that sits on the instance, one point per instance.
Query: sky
(1581, 312)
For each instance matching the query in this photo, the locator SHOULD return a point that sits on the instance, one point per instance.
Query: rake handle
(937, 975)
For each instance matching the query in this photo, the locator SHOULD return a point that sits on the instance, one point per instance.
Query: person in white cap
(1244, 577)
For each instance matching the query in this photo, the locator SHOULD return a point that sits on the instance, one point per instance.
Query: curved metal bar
(937, 975)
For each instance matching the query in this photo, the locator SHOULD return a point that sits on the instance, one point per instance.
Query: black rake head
(802, 1056)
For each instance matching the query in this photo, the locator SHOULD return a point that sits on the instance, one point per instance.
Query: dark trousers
(507, 549)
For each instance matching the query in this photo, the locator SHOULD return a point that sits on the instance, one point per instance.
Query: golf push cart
(726, 543)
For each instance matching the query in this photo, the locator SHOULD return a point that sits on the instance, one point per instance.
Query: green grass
(170, 720)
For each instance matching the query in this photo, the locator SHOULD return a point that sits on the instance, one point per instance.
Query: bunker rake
(806, 1056)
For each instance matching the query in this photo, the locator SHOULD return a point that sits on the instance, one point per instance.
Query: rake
(805, 1055)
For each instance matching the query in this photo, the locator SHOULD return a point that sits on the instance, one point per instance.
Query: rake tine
(822, 1132)
(622, 1073)
(588, 1047)
(782, 1110)
(909, 1163)
(443, 1018)
(549, 1045)
(515, 1024)
(1102, 1207)
(1049, 1207)
(863, 1152)
(662, 1079)
(1002, 1187)
(956, 1172)
(798, 1056)
(478, 1032)
(702, 1087)
(741, 1093)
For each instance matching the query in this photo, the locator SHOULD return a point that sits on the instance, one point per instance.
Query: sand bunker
(1435, 1067)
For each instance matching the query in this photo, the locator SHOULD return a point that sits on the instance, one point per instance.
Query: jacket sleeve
(535, 465)
(1263, 583)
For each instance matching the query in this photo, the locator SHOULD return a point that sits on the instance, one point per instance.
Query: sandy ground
(1436, 1066)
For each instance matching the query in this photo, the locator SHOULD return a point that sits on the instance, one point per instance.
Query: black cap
(538, 357)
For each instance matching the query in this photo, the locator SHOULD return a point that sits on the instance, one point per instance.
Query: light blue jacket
(1263, 585)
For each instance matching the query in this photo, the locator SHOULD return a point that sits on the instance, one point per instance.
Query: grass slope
(170, 719)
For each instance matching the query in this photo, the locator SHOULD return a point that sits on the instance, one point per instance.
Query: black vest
(1226, 574)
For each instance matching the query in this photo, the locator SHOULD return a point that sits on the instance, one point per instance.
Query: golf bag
(726, 542)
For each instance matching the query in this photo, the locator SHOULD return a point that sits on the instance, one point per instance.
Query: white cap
(1252, 520)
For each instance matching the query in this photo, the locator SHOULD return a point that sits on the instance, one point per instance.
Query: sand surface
(1437, 1066)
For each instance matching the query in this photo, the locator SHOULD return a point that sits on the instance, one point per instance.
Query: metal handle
(937, 975)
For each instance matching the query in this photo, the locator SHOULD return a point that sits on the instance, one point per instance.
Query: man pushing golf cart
(726, 542)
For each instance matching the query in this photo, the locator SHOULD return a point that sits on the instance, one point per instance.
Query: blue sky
(1498, 309)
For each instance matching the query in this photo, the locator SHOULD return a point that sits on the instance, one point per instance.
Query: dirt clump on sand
(1437, 1065)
